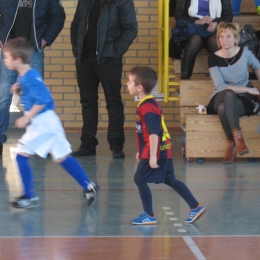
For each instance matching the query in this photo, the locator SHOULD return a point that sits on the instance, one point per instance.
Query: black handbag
(252, 98)
(248, 38)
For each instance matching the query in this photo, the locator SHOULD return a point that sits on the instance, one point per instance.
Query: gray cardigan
(234, 75)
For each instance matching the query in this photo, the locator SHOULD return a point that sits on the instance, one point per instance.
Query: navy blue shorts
(145, 173)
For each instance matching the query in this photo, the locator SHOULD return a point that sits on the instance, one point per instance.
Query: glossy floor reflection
(63, 227)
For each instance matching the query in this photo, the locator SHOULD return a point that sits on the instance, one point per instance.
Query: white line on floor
(193, 247)
(173, 219)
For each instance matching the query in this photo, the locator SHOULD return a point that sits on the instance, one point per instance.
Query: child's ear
(140, 88)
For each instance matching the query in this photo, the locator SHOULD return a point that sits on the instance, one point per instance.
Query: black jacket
(48, 20)
(182, 6)
(117, 28)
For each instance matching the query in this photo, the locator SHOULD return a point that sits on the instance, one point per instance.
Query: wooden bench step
(205, 137)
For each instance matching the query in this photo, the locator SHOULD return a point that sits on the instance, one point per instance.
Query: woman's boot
(241, 146)
(187, 64)
(231, 151)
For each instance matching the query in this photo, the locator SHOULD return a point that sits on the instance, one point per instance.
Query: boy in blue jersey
(44, 132)
(154, 155)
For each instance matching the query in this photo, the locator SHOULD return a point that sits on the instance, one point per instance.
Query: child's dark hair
(144, 76)
(19, 48)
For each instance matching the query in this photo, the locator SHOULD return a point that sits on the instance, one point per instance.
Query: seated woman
(210, 12)
(233, 95)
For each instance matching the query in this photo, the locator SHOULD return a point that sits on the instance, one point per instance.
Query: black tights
(195, 43)
(178, 186)
(229, 109)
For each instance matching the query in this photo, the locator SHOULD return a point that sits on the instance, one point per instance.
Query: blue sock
(26, 174)
(72, 166)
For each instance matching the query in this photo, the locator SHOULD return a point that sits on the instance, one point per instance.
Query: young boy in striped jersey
(154, 155)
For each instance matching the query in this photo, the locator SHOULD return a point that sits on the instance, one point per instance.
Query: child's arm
(15, 88)
(23, 121)
(137, 157)
(153, 140)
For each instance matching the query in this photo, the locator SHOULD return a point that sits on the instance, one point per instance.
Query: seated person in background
(233, 95)
(210, 12)
(236, 7)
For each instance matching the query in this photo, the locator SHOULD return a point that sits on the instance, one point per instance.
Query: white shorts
(45, 135)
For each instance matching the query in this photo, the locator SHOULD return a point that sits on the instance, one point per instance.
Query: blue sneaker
(144, 219)
(195, 214)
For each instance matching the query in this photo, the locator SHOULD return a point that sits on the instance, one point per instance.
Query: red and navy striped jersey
(150, 120)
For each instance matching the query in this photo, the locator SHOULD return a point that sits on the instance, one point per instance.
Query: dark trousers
(109, 75)
(170, 180)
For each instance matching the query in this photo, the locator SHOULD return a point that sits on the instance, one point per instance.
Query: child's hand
(153, 162)
(15, 87)
(22, 122)
(137, 157)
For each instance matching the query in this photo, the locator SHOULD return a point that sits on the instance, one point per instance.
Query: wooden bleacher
(205, 137)
(248, 16)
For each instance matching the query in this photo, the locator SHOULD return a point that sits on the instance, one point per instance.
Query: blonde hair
(233, 27)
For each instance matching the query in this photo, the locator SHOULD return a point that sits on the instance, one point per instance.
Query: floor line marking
(173, 219)
(193, 247)
(182, 230)
(165, 208)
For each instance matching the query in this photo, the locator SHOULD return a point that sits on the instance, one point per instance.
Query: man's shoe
(84, 150)
(118, 154)
(1, 149)
(195, 214)
(144, 219)
(91, 193)
(25, 203)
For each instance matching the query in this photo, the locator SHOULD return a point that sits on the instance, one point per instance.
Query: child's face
(9, 61)
(132, 88)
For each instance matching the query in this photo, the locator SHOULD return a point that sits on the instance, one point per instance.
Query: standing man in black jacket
(101, 33)
(38, 21)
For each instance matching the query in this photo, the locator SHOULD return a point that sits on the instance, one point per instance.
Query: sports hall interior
(63, 227)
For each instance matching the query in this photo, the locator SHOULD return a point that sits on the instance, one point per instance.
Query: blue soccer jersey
(34, 91)
(150, 121)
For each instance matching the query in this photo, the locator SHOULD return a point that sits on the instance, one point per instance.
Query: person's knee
(137, 180)
(229, 95)
(61, 159)
(22, 157)
(221, 108)
(194, 44)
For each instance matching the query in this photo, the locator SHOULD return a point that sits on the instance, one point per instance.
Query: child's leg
(182, 190)
(146, 196)
(72, 166)
(90, 189)
(26, 175)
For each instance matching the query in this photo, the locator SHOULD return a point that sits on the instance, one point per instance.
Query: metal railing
(166, 77)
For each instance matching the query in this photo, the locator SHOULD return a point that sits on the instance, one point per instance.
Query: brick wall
(60, 73)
